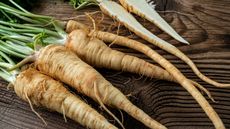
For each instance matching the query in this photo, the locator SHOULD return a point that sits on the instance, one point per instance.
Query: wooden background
(204, 23)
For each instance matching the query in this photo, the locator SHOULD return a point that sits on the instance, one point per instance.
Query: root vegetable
(87, 48)
(179, 77)
(60, 63)
(63, 65)
(144, 10)
(140, 7)
(44, 91)
(95, 52)
(187, 84)
(116, 11)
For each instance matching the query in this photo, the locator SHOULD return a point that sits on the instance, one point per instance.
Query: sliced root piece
(118, 12)
(141, 8)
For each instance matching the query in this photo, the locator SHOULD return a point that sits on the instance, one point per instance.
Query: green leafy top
(5, 63)
(79, 4)
(20, 25)
(22, 33)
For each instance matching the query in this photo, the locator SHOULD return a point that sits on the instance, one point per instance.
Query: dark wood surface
(204, 23)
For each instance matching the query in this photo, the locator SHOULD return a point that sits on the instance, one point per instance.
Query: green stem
(28, 19)
(84, 4)
(19, 7)
(27, 28)
(16, 41)
(16, 37)
(79, 4)
(20, 49)
(8, 51)
(7, 16)
(7, 35)
(13, 10)
(7, 58)
(8, 77)
(5, 65)
(29, 31)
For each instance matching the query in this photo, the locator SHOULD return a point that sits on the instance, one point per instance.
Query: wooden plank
(204, 23)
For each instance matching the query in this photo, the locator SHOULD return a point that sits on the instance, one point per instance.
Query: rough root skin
(82, 48)
(123, 41)
(46, 92)
(62, 64)
(181, 79)
(73, 25)
(95, 52)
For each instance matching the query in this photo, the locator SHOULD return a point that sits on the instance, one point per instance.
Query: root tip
(185, 42)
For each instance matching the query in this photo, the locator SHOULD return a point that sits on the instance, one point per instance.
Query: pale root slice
(144, 10)
(62, 64)
(118, 12)
(43, 91)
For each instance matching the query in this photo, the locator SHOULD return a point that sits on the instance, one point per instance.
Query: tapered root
(170, 68)
(180, 78)
(81, 76)
(104, 107)
(203, 77)
(203, 89)
(123, 41)
(95, 52)
(41, 90)
(138, 114)
(32, 108)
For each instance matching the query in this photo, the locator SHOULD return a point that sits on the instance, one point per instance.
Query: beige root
(186, 83)
(87, 48)
(62, 64)
(97, 53)
(41, 90)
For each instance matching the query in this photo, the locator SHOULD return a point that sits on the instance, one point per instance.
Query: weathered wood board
(204, 23)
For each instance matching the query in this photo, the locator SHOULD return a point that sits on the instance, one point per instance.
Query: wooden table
(204, 23)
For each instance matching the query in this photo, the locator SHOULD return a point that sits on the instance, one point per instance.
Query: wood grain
(204, 23)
